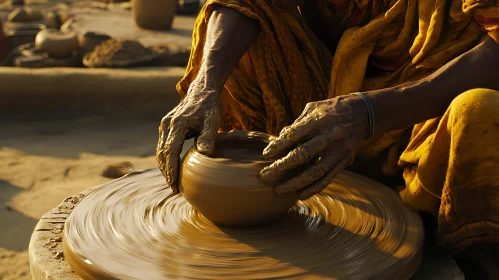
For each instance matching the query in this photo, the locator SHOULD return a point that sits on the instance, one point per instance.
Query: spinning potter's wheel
(135, 228)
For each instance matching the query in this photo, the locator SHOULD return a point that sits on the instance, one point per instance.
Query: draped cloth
(311, 50)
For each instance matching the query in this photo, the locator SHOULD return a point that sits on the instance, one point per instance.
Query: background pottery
(89, 40)
(21, 34)
(25, 15)
(154, 14)
(55, 19)
(56, 43)
(226, 187)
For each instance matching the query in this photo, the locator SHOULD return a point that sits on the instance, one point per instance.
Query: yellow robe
(289, 66)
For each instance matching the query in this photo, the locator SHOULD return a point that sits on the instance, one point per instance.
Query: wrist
(206, 82)
(360, 107)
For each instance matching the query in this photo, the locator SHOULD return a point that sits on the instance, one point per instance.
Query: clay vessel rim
(236, 135)
(25, 29)
(92, 34)
(56, 34)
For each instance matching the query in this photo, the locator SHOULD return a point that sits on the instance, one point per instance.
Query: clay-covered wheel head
(226, 186)
(56, 43)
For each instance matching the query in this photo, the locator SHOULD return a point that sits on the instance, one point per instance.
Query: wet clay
(135, 228)
(226, 186)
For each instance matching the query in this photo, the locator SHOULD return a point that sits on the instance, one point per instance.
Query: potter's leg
(452, 170)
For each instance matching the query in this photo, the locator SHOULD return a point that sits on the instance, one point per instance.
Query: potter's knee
(476, 102)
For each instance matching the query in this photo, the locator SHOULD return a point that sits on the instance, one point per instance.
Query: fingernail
(268, 153)
(264, 174)
(204, 148)
(169, 180)
(174, 190)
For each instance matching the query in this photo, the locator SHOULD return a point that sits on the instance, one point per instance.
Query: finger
(320, 185)
(308, 108)
(163, 135)
(173, 148)
(299, 156)
(206, 140)
(290, 137)
(312, 174)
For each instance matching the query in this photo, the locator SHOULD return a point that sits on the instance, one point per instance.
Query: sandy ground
(41, 163)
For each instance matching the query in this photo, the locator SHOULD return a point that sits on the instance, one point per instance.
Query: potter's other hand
(320, 143)
(198, 114)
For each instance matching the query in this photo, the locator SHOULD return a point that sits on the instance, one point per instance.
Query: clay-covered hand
(198, 114)
(320, 143)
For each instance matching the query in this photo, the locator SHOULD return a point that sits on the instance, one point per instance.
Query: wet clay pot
(154, 14)
(226, 187)
(56, 43)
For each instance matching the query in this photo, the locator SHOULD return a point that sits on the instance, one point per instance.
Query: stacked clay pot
(55, 19)
(226, 186)
(25, 15)
(154, 14)
(57, 44)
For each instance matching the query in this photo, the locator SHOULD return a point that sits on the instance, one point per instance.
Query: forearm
(406, 105)
(229, 36)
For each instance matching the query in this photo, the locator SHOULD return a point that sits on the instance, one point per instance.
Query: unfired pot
(154, 14)
(56, 43)
(226, 187)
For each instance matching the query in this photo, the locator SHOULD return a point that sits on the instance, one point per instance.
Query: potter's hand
(321, 142)
(199, 113)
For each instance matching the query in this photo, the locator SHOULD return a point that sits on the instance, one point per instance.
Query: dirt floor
(41, 163)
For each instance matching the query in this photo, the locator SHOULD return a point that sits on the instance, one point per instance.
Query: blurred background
(83, 85)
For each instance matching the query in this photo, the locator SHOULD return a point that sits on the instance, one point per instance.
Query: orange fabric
(485, 13)
(329, 48)
(451, 166)
(287, 67)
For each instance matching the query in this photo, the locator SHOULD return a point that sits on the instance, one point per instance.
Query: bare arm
(230, 34)
(333, 129)
(403, 106)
